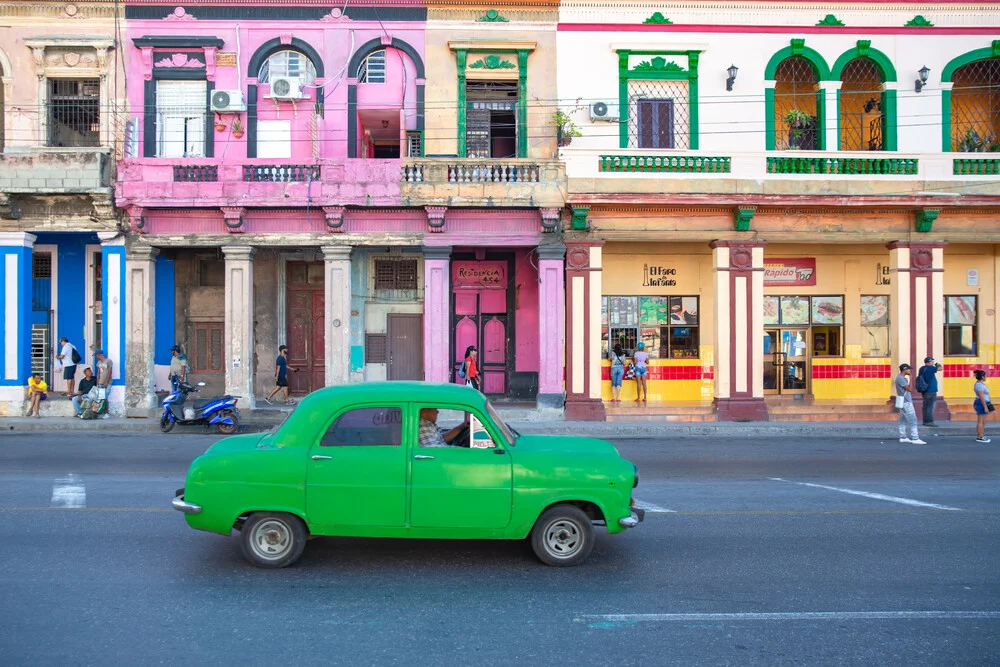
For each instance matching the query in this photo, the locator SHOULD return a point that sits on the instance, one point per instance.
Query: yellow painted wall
(958, 259)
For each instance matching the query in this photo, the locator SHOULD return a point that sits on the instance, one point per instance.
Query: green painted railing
(966, 167)
(842, 166)
(666, 164)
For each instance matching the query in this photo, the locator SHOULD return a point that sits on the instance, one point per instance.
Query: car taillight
(632, 503)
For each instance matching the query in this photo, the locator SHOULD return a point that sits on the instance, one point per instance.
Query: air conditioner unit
(224, 101)
(604, 111)
(286, 88)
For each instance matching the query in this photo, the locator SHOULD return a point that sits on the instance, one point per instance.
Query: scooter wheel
(166, 425)
(228, 429)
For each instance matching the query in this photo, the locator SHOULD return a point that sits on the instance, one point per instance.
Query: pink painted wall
(332, 40)
(388, 94)
(526, 316)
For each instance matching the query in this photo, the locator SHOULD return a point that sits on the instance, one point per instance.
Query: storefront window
(668, 325)
(960, 326)
(875, 326)
(823, 315)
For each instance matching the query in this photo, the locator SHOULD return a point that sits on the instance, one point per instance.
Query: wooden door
(405, 347)
(306, 338)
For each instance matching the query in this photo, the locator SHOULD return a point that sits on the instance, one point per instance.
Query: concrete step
(831, 417)
(56, 406)
(633, 408)
(662, 418)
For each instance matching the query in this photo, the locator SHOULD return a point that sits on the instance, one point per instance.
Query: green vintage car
(367, 460)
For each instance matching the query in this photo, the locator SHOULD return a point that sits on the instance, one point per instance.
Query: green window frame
(992, 51)
(888, 72)
(461, 60)
(822, 71)
(690, 75)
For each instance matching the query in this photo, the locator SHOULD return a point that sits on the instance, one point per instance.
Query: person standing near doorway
(907, 415)
(472, 376)
(68, 357)
(281, 376)
(178, 368)
(617, 372)
(982, 405)
(641, 371)
(104, 372)
(927, 385)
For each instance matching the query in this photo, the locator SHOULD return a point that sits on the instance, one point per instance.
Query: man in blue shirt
(281, 376)
(927, 385)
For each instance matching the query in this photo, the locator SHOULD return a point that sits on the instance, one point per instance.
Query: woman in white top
(981, 405)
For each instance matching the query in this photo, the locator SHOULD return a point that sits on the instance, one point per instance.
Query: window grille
(395, 274)
(795, 89)
(287, 64)
(372, 68)
(975, 107)
(41, 352)
(861, 119)
(658, 114)
(74, 112)
(413, 144)
(41, 265)
(375, 349)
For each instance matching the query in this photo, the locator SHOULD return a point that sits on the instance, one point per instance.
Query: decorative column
(437, 313)
(551, 325)
(337, 313)
(916, 324)
(583, 331)
(831, 122)
(113, 298)
(739, 330)
(15, 345)
(239, 343)
(140, 323)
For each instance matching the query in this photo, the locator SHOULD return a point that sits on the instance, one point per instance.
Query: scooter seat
(200, 403)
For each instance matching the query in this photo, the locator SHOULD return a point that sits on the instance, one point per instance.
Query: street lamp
(919, 84)
(732, 76)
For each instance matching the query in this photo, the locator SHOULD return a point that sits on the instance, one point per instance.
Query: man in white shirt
(65, 358)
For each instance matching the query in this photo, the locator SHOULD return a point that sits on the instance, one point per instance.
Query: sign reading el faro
(479, 275)
(798, 271)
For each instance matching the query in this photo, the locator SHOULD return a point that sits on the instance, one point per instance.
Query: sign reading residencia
(799, 271)
(480, 275)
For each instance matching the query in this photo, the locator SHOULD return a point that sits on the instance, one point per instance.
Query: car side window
(366, 427)
(481, 438)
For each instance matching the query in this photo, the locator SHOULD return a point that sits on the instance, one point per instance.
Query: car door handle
(422, 456)
(321, 458)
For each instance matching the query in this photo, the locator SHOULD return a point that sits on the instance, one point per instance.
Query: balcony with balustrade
(482, 182)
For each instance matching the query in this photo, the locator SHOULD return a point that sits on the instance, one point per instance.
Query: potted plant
(801, 130)
(237, 127)
(972, 143)
(566, 129)
(219, 125)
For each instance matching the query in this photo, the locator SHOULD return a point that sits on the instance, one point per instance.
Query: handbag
(629, 372)
(989, 406)
(900, 400)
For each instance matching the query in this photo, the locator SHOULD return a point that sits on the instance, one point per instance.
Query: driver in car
(432, 436)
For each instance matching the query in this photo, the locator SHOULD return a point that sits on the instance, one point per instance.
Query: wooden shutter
(656, 123)
(207, 352)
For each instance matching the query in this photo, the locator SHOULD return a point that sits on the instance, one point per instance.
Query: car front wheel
(563, 536)
(273, 539)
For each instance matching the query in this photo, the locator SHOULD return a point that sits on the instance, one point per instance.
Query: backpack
(461, 371)
(75, 356)
(922, 384)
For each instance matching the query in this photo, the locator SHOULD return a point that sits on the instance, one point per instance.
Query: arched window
(372, 68)
(862, 121)
(975, 107)
(287, 64)
(796, 86)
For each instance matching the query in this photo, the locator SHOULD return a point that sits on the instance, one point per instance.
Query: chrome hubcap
(563, 538)
(271, 539)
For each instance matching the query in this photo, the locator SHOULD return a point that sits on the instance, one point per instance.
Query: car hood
(569, 444)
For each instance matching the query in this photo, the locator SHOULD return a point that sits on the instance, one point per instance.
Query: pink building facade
(277, 192)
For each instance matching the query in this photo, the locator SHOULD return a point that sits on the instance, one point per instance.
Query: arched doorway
(796, 87)
(975, 107)
(862, 120)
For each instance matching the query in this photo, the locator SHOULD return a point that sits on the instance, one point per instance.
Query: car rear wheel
(563, 536)
(273, 539)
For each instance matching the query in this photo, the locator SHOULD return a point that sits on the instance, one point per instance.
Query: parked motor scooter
(219, 411)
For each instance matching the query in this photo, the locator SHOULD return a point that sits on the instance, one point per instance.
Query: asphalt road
(833, 551)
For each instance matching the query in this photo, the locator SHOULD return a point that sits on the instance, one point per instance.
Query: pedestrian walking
(473, 378)
(927, 385)
(904, 402)
(68, 358)
(281, 376)
(178, 368)
(640, 358)
(982, 405)
(617, 372)
(37, 388)
(104, 372)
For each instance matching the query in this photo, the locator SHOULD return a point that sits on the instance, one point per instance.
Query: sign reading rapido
(800, 271)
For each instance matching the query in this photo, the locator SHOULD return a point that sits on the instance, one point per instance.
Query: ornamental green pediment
(657, 64)
(492, 62)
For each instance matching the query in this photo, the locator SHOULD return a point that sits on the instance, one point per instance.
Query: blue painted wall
(359, 288)
(22, 292)
(109, 329)
(72, 288)
(165, 311)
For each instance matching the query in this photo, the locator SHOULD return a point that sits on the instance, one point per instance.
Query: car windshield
(504, 429)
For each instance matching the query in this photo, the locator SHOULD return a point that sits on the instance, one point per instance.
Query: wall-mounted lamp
(733, 69)
(919, 84)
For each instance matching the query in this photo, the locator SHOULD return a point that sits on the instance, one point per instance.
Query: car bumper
(182, 505)
(634, 519)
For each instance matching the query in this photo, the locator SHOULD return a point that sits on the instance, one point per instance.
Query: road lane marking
(874, 496)
(651, 508)
(601, 619)
(69, 492)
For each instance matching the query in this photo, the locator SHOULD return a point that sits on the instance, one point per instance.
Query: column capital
(141, 253)
(336, 253)
(435, 217)
(233, 218)
(238, 252)
(20, 239)
(437, 252)
(136, 218)
(111, 238)
(550, 219)
(892, 245)
(552, 251)
(334, 217)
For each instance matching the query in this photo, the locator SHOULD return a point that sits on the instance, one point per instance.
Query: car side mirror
(480, 438)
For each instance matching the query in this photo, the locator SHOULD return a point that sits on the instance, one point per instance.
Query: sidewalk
(257, 422)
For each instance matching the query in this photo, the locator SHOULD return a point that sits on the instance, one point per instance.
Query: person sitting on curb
(86, 384)
(36, 393)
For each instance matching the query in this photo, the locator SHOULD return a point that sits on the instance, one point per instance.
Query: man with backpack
(927, 385)
(68, 357)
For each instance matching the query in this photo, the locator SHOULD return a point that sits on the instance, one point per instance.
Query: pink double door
(481, 319)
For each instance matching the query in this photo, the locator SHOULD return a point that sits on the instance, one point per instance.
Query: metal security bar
(795, 88)
(73, 112)
(861, 97)
(975, 99)
(658, 114)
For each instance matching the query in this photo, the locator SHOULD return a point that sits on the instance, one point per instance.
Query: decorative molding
(798, 45)
(918, 21)
(491, 16)
(334, 218)
(580, 218)
(658, 19)
(492, 62)
(233, 217)
(179, 60)
(550, 219)
(742, 218)
(831, 21)
(179, 14)
(578, 257)
(658, 64)
(336, 15)
(864, 45)
(435, 218)
(925, 219)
